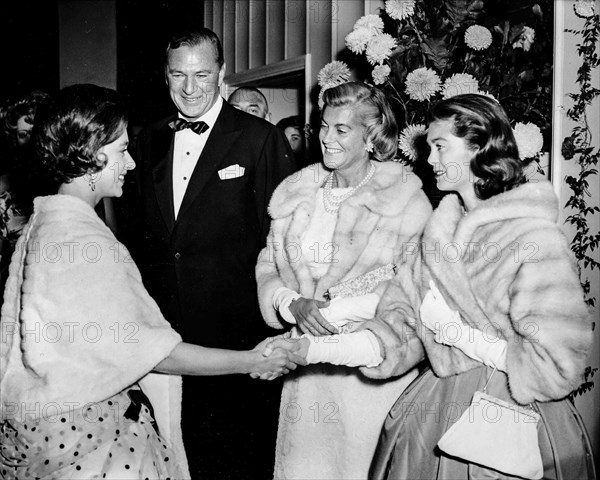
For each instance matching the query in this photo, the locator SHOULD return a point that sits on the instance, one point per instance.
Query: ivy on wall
(578, 147)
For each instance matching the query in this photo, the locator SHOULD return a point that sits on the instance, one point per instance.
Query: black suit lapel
(220, 140)
(162, 173)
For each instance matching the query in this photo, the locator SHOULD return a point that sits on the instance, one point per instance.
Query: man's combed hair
(483, 124)
(193, 38)
(71, 127)
(374, 113)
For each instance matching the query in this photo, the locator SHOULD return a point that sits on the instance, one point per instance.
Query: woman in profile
(502, 313)
(80, 334)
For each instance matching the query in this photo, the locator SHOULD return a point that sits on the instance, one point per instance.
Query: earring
(92, 181)
(369, 146)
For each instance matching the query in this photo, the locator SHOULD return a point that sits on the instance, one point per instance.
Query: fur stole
(507, 268)
(77, 324)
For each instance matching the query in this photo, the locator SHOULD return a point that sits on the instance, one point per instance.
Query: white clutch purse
(498, 435)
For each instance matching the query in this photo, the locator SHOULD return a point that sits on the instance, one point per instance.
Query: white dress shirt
(186, 152)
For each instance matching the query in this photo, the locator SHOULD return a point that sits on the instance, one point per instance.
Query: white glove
(355, 349)
(282, 299)
(350, 309)
(449, 329)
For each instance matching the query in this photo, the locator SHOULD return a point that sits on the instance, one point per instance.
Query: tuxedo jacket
(200, 267)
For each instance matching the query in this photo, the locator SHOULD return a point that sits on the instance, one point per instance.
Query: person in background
(501, 310)
(19, 116)
(100, 335)
(294, 131)
(250, 100)
(345, 221)
(19, 181)
(205, 177)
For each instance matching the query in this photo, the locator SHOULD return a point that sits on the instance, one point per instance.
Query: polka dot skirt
(96, 441)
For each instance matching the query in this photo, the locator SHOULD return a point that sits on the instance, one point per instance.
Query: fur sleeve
(552, 326)
(268, 281)
(401, 347)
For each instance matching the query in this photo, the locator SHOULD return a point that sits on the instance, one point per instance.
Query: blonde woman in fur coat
(501, 305)
(80, 334)
(332, 223)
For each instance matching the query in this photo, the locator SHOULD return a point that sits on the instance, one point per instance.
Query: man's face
(194, 77)
(249, 102)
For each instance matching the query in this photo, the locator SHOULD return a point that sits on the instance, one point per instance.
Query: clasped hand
(438, 317)
(308, 317)
(279, 355)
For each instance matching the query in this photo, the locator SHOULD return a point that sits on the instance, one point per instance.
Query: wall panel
(257, 26)
(275, 18)
(242, 41)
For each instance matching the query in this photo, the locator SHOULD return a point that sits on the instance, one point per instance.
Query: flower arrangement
(419, 51)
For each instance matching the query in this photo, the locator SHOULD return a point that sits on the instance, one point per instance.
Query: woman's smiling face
(342, 138)
(450, 157)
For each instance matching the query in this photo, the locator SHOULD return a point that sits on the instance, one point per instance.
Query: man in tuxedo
(205, 178)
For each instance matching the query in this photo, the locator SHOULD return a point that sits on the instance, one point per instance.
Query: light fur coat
(77, 324)
(507, 268)
(331, 416)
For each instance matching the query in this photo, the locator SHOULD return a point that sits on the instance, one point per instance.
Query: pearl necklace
(331, 201)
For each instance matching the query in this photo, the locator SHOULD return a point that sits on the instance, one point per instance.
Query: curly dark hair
(25, 106)
(484, 125)
(71, 127)
(374, 113)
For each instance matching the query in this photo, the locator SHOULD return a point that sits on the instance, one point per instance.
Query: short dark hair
(195, 37)
(293, 121)
(248, 89)
(374, 112)
(483, 124)
(71, 127)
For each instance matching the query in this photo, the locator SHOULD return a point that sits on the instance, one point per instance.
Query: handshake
(277, 356)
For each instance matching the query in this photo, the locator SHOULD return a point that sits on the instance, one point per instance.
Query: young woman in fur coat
(501, 305)
(81, 337)
(333, 223)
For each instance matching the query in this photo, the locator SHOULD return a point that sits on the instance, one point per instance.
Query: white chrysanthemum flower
(379, 48)
(357, 39)
(333, 73)
(408, 138)
(460, 83)
(380, 74)
(478, 37)
(526, 39)
(585, 8)
(400, 9)
(529, 139)
(370, 22)
(422, 83)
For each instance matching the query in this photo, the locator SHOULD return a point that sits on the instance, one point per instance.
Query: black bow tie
(196, 127)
